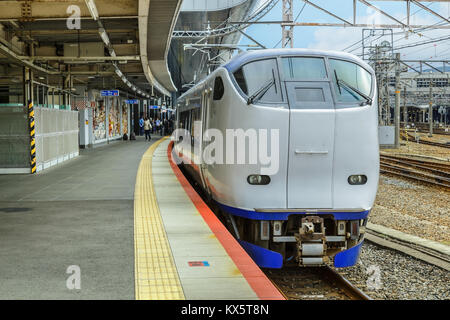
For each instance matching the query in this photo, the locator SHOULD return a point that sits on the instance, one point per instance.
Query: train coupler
(311, 242)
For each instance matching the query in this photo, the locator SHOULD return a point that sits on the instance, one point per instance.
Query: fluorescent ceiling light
(119, 73)
(104, 36)
(92, 9)
(112, 53)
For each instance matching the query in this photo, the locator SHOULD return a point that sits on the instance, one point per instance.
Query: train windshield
(259, 80)
(304, 68)
(352, 82)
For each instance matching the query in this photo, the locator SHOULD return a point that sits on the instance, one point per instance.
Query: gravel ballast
(385, 274)
(413, 208)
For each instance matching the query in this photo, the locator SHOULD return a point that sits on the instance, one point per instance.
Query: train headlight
(257, 179)
(357, 179)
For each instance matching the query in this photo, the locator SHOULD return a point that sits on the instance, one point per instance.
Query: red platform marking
(257, 280)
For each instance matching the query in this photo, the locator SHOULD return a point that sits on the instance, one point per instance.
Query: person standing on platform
(141, 126)
(166, 127)
(158, 125)
(170, 126)
(147, 128)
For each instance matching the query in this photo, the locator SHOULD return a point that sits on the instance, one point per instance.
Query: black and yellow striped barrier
(32, 137)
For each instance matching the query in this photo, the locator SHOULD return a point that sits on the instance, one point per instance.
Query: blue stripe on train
(264, 258)
(254, 215)
(348, 257)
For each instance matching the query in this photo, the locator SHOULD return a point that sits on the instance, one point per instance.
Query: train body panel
(356, 152)
(313, 114)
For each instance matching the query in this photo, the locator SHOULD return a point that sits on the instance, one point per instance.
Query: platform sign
(132, 101)
(109, 93)
(154, 107)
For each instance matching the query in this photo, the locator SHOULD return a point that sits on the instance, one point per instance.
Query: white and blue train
(303, 185)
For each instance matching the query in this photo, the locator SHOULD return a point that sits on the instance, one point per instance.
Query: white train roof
(247, 56)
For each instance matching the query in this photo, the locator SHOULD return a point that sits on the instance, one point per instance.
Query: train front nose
(311, 144)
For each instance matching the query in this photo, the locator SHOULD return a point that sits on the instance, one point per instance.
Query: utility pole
(430, 110)
(405, 108)
(287, 31)
(397, 101)
(387, 97)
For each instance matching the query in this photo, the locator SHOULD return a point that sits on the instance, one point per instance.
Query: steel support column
(397, 101)
(287, 31)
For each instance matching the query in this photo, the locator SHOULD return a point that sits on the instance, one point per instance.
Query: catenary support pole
(397, 101)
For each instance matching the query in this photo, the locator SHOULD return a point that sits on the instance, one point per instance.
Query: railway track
(425, 129)
(416, 250)
(313, 283)
(419, 170)
(437, 131)
(409, 137)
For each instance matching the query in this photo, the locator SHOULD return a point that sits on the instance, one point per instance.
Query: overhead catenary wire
(396, 33)
(360, 41)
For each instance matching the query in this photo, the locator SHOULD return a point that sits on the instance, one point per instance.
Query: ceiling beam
(56, 58)
(46, 9)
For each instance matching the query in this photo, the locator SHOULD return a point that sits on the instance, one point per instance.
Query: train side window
(260, 78)
(239, 76)
(219, 89)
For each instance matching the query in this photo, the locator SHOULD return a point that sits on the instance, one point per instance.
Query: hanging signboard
(132, 101)
(109, 93)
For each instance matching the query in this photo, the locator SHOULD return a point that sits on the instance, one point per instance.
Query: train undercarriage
(307, 240)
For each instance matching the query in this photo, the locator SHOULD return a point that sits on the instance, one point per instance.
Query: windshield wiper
(340, 81)
(261, 92)
(337, 82)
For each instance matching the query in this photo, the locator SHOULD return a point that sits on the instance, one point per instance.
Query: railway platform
(130, 225)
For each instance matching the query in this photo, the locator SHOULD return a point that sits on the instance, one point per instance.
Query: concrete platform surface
(77, 214)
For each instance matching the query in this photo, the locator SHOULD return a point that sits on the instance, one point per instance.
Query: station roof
(42, 35)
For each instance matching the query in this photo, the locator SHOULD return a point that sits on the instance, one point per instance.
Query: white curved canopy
(156, 23)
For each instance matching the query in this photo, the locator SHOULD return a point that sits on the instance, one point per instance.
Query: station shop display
(99, 120)
(114, 118)
(124, 119)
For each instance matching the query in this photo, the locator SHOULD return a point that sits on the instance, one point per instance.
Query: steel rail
(351, 290)
(406, 173)
(421, 141)
(294, 283)
(434, 169)
(434, 165)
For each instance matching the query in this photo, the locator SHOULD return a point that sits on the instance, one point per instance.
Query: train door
(311, 133)
(205, 116)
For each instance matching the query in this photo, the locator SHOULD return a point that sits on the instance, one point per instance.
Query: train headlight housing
(357, 179)
(256, 179)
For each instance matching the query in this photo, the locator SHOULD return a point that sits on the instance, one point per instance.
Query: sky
(331, 38)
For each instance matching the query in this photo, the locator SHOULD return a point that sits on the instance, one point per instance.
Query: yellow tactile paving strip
(156, 276)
